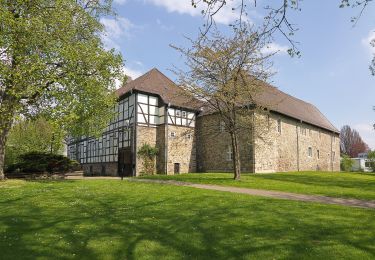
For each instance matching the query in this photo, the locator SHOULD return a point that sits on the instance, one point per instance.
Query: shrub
(371, 159)
(38, 162)
(346, 163)
(148, 154)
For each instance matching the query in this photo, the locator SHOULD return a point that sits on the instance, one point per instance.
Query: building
(362, 163)
(152, 110)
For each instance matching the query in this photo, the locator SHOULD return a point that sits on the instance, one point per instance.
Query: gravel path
(269, 193)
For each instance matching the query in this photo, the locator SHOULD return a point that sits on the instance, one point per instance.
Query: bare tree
(276, 18)
(226, 73)
(351, 142)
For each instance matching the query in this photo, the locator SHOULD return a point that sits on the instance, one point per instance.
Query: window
(173, 134)
(318, 153)
(222, 126)
(229, 153)
(309, 150)
(178, 113)
(183, 114)
(279, 125)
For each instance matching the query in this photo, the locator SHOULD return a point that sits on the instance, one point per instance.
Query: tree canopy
(52, 62)
(351, 142)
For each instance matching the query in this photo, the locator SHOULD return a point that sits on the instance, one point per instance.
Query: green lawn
(346, 185)
(113, 219)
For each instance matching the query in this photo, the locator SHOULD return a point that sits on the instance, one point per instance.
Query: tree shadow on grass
(115, 220)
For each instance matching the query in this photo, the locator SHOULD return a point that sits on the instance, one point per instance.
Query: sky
(332, 72)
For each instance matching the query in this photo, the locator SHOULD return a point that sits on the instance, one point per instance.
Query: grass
(336, 184)
(113, 219)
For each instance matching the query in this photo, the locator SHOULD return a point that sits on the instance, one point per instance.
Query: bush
(148, 154)
(346, 163)
(371, 159)
(38, 162)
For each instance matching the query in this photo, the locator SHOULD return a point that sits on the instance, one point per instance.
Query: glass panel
(144, 108)
(178, 121)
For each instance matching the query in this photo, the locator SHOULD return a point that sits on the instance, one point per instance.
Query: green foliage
(148, 154)
(53, 63)
(346, 163)
(371, 158)
(56, 63)
(38, 162)
(37, 135)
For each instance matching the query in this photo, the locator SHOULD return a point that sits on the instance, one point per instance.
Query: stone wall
(267, 150)
(110, 169)
(181, 149)
(144, 135)
(289, 149)
(212, 147)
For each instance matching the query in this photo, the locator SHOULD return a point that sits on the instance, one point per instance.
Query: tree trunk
(6, 119)
(3, 136)
(236, 157)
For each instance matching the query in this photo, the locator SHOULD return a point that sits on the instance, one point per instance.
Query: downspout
(253, 142)
(297, 148)
(134, 161)
(331, 154)
(166, 138)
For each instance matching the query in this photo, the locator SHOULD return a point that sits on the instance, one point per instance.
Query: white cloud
(369, 41)
(225, 16)
(367, 133)
(274, 48)
(120, 2)
(115, 30)
(133, 73)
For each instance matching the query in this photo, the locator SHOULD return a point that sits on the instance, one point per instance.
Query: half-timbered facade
(153, 110)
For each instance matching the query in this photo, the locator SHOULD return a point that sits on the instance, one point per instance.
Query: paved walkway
(269, 193)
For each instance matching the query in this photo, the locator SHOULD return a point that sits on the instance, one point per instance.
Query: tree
(37, 135)
(276, 16)
(226, 73)
(351, 142)
(52, 62)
